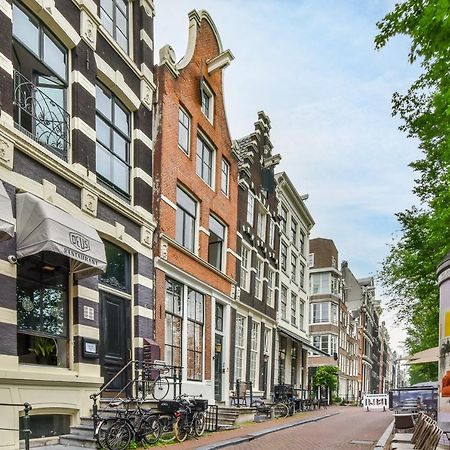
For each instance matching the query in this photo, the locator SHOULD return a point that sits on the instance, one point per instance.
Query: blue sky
(312, 67)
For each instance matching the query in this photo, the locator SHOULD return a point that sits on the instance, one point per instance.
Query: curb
(258, 434)
(381, 444)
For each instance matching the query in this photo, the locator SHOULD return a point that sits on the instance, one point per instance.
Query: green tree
(326, 377)
(409, 271)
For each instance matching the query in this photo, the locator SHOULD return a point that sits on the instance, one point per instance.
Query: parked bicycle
(278, 409)
(153, 382)
(191, 418)
(140, 425)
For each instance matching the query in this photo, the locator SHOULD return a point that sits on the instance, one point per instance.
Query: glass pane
(199, 308)
(25, 30)
(103, 132)
(121, 174)
(168, 340)
(199, 163)
(122, 5)
(216, 227)
(118, 273)
(183, 137)
(179, 226)
(107, 21)
(107, 6)
(103, 102)
(189, 233)
(103, 163)
(121, 22)
(191, 304)
(122, 40)
(121, 119)
(54, 57)
(120, 146)
(186, 202)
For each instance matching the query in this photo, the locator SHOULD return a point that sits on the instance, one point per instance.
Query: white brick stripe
(8, 269)
(6, 64)
(78, 124)
(5, 8)
(137, 172)
(86, 331)
(8, 316)
(86, 293)
(79, 78)
(143, 281)
(144, 312)
(169, 202)
(139, 134)
(146, 38)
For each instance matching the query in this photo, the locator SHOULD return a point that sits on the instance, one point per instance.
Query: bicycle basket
(200, 405)
(168, 406)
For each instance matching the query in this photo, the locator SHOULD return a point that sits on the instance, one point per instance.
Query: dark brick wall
(324, 250)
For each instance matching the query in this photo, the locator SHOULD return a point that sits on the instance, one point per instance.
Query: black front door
(115, 339)
(218, 368)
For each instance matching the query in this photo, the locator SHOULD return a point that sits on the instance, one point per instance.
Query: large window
(302, 242)
(40, 82)
(320, 283)
(261, 225)
(240, 348)
(283, 302)
(205, 161)
(250, 208)
(42, 309)
(301, 311)
(283, 219)
(195, 320)
(174, 323)
(284, 257)
(118, 269)
(320, 312)
(294, 228)
(326, 342)
(272, 233)
(293, 268)
(186, 216)
(258, 278)
(225, 179)
(114, 17)
(293, 310)
(184, 122)
(245, 268)
(270, 286)
(113, 141)
(216, 243)
(254, 350)
(302, 275)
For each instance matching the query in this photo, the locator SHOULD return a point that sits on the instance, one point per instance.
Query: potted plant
(44, 349)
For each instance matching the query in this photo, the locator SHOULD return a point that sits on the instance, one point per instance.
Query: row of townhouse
(131, 224)
(345, 323)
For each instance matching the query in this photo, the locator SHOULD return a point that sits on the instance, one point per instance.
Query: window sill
(207, 184)
(186, 152)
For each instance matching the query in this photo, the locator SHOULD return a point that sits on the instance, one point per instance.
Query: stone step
(226, 421)
(77, 441)
(227, 414)
(223, 427)
(84, 431)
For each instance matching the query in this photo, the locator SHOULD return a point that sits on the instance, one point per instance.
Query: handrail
(132, 361)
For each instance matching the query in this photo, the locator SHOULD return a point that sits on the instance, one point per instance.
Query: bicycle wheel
(166, 424)
(101, 430)
(160, 388)
(280, 410)
(181, 429)
(150, 430)
(200, 424)
(119, 436)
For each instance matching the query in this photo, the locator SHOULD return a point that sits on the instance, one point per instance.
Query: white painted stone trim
(203, 230)
(86, 331)
(140, 135)
(220, 62)
(137, 172)
(6, 8)
(142, 311)
(232, 252)
(79, 78)
(8, 316)
(6, 64)
(86, 293)
(143, 281)
(79, 124)
(146, 38)
(169, 202)
(8, 269)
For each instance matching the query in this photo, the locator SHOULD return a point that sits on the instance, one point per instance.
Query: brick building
(76, 98)
(254, 312)
(332, 327)
(292, 339)
(196, 209)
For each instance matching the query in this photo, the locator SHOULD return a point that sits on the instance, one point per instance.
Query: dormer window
(114, 17)
(207, 102)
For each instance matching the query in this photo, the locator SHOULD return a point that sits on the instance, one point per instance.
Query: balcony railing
(40, 117)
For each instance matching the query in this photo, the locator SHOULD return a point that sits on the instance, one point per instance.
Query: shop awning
(425, 356)
(6, 216)
(305, 344)
(44, 227)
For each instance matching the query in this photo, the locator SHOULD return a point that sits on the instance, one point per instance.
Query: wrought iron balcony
(40, 116)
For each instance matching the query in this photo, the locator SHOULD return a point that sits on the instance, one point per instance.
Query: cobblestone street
(332, 433)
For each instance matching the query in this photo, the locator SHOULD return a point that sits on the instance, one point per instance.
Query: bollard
(26, 425)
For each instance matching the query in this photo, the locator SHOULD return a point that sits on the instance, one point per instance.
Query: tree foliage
(409, 271)
(326, 377)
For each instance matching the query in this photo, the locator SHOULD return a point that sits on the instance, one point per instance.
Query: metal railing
(40, 116)
(212, 418)
(26, 421)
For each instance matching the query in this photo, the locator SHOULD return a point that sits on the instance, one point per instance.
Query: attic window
(207, 102)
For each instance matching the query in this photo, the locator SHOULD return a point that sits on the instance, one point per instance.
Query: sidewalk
(223, 439)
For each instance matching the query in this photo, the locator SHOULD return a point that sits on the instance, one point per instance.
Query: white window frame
(226, 175)
(210, 147)
(254, 353)
(271, 232)
(294, 267)
(311, 260)
(322, 307)
(261, 224)
(294, 231)
(259, 273)
(302, 275)
(294, 310)
(240, 345)
(209, 93)
(270, 286)
(250, 208)
(301, 310)
(245, 268)
(284, 215)
(323, 285)
(283, 311)
(181, 110)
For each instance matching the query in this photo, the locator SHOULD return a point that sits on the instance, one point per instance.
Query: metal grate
(212, 418)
